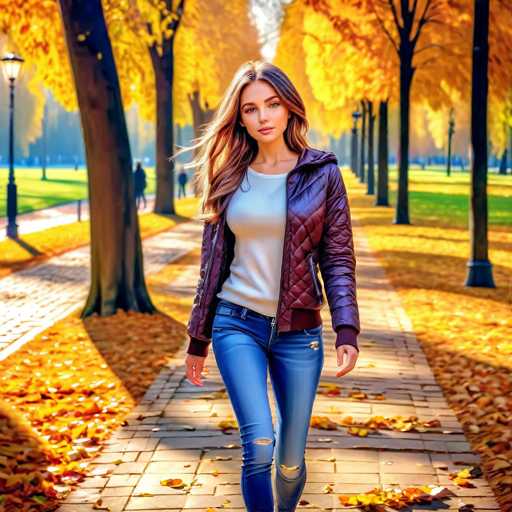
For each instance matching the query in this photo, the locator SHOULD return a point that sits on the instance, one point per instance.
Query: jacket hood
(316, 157)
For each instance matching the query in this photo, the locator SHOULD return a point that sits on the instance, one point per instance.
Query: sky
(268, 15)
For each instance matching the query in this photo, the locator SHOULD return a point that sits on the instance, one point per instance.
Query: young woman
(273, 208)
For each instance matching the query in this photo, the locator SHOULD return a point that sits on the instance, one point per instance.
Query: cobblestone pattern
(33, 299)
(173, 432)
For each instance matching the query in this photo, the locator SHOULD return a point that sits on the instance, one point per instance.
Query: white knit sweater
(256, 214)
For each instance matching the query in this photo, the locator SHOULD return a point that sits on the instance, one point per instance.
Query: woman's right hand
(194, 365)
(346, 358)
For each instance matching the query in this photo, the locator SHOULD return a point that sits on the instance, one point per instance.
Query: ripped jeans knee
(290, 472)
(258, 454)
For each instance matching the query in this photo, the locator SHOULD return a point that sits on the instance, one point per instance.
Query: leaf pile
(72, 386)
(32, 475)
(361, 429)
(396, 498)
(462, 477)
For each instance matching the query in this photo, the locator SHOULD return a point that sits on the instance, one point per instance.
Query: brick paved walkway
(33, 299)
(173, 432)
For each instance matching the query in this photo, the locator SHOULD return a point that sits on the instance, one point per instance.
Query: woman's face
(261, 107)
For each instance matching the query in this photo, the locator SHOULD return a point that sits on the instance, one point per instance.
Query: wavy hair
(225, 148)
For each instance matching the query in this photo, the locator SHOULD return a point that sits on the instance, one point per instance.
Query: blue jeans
(245, 344)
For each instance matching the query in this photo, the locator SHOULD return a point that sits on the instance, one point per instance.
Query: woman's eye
(251, 109)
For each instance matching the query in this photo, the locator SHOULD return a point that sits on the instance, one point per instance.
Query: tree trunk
(510, 147)
(503, 162)
(200, 117)
(363, 138)
(479, 266)
(45, 136)
(357, 138)
(163, 67)
(353, 150)
(341, 149)
(332, 146)
(449, 163)
(371, 170)
(406, 75)
(117, 276)
(382, 172)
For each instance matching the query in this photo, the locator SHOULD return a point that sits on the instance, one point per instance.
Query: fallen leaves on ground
(33, 475)
(175, 483)
(332, 389)
(228, 424)
(465, 332)
(462, 477)
(323, 423)
(396, 498)
(65, 392)
(361, 428)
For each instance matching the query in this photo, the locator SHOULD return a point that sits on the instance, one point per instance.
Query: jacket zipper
(313, 276)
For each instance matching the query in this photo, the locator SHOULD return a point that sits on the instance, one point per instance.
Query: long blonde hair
(225, 149)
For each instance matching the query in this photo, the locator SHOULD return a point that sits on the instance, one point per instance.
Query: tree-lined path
(415, 100)
(35, 298)
(174, 432)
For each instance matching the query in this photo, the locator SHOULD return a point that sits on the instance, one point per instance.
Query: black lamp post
(451, 131)
(11, 65)
(355, 116)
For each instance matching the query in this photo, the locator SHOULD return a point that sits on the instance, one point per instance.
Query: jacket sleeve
(337, 262)
(198, 346)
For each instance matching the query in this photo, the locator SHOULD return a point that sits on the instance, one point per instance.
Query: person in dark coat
(140, 183)
(182, 181)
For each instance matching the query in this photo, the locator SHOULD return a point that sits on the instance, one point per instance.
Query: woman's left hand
(347, 357)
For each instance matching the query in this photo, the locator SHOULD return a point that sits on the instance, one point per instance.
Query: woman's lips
(265, 130)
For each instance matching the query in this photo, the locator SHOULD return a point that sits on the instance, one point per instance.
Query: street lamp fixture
(451, 131)
(11, 65)
(355, 116)
(353, 158)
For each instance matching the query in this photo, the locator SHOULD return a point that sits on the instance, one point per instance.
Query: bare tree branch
(386, 31)
(318, 40)
(179, 12)
(422, 21)
(395, 16)
(413, 10)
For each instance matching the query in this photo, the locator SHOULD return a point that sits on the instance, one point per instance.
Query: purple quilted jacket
(318, 231)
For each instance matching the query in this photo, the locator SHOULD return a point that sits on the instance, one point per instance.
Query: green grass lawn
(434, 196)
(62, 186)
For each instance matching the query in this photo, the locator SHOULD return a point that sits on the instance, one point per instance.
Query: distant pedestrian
(182, 181)
(140, 184)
